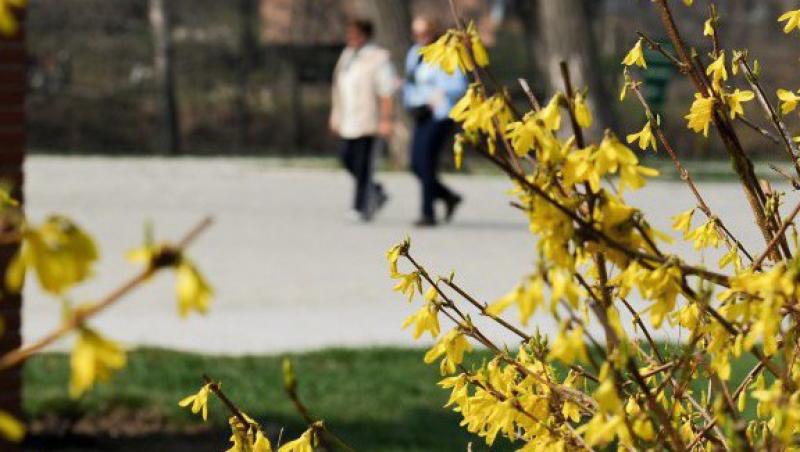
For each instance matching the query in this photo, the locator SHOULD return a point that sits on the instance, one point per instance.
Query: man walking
(364, 82)
(429, 94)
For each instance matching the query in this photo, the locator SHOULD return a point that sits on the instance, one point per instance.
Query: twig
(769, 110)
(21, 354)
(681, 66)
(482, 307)
(526, 88)
(791, 179)
(764, 132)
(786, 222)
(741, 163)
(684, 173)
(217, 390)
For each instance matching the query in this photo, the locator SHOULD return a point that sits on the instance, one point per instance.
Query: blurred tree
(561, 30)
(164, 74)
(392, 26)
(248, 55)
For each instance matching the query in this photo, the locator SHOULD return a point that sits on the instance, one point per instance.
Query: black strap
(411, 74)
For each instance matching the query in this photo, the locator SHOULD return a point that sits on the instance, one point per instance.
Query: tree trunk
(565, 34)
(13, 83)
(165, 76)
(392, 25)
(248, 52)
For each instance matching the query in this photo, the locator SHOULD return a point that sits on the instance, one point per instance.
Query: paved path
(290, 270)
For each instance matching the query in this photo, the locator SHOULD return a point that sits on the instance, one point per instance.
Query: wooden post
(13, 83)
(165, 76)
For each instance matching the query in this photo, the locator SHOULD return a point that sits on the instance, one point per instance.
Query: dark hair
(364, 26)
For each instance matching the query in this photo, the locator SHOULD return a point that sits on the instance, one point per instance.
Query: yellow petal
(11, 428)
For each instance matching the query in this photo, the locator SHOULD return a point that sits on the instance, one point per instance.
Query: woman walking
(429, 94)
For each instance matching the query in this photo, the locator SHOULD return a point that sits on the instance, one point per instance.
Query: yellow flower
(731, 257)
(261, 443)
(602, 429)
(689, 316)
(688, 2)
(645, 137)
(633, 176)
(700, 114)
(530, 298)
(718, 72)
(564, 287)
(94, 358)
(789, 100)
(246, 436)
(504, 302)
(59, 252)
(661, 285)
(608, 400)
(527, 298)
(550, 115)
(582, 113)
(612, 154)
(708, 28)
(792, 19)
(192, 289)
(445, 52)
(591, 164)
(571, 411)
(459, 389)
(705, 235)
(426, 319)
(305, 443)
(569, 346)
(635, 56)
(683, 221)
(458, 151)
(453, 346)
(643, 428)
(478, 49)
(8, 17)
(198, 401)
(392, 256)
(11, 429)
(409, 284)
(477, 114)
(450, 53)
(735, 100)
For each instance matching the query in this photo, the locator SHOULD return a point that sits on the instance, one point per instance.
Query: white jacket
(361, 78)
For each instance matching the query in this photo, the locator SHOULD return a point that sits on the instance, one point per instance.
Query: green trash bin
(657, 77)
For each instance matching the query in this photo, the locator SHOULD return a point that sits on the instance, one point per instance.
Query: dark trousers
(429, 138)
(357, 157)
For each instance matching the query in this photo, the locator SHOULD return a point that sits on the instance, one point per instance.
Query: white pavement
(290, 270)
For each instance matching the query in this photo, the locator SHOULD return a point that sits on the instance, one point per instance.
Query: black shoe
(451, 206)
(376, 203)
(381, 201)
(425, 222)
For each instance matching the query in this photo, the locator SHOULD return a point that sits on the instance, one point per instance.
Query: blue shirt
(432, 86)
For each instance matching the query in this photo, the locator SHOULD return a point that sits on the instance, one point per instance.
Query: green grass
(377, 399)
